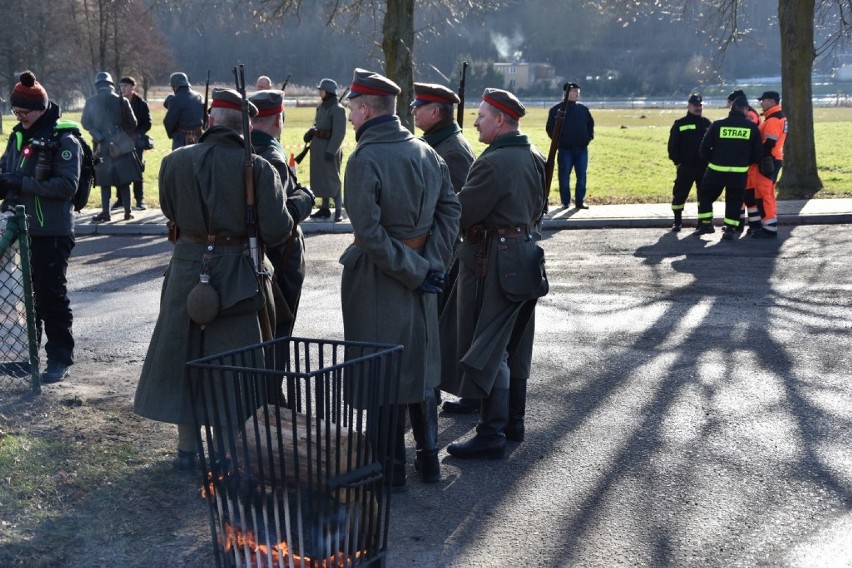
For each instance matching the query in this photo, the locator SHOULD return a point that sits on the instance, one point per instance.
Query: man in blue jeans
(578, 129)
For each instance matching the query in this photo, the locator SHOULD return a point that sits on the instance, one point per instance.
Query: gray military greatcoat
(326, 154)
(504, 190)
(398, 188)
(202, 189)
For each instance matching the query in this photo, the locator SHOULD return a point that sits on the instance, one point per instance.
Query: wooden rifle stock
(554, 145)
(460, 110)
(301, 155)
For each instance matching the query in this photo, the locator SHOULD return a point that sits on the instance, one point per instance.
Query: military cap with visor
(774, 95)
(366, 82)
(695, 99)
(268, 102)
(505, 102)
(230, 99)
(425, 93)
(569, 86)
(735, 94)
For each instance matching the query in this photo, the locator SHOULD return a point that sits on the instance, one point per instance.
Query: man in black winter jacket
(47, 195)
(684, 142)
(730, 146)
(578, 129)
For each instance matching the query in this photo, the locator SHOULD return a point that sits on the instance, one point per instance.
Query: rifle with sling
(206, 97)
(460, 110)
(284, 86)
(255, 246)
(554, 145)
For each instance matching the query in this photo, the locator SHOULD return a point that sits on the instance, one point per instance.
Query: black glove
(309, 135)
(11, 182)
(434, 282)
(767, 166)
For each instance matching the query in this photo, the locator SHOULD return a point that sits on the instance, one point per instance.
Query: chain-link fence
(19, 348)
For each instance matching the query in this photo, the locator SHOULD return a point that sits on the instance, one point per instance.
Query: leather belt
(216, 240)
(415, 243)
(323, 134)
(476, 233)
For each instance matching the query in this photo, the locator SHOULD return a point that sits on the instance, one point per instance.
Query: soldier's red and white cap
(505, 102)
(366, 82)
(268, 102)
(425, 93)
(229, 98)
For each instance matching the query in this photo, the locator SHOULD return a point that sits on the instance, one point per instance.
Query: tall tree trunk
(398, 48)
(799, 177)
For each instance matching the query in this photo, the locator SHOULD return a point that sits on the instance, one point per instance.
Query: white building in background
(843, 71)
(522, 75)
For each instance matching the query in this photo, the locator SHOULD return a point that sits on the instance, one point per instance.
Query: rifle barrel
(554, 143)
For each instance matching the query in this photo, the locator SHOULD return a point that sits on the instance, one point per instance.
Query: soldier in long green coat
(404, 214)
(288, 258)
(487, 327)
(326, 138)
(433, 114)
(202, 191)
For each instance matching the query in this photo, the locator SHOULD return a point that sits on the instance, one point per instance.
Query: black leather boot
(489, 441)
(461, 406)
(398, 480)
(424, 427)
(517, 409)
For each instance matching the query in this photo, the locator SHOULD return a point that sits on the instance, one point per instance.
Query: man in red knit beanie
(47, 193)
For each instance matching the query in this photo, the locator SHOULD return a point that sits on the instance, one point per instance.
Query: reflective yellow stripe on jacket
(735, 169)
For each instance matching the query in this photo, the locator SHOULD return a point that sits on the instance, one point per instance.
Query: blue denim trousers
(576, 159)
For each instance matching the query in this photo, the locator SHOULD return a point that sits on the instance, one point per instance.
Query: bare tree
(398, 30)
(798, 20)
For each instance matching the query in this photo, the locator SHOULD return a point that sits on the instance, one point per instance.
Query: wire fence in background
(19, 365)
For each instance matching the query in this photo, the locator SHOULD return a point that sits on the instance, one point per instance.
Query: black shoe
(338, 216)
(728, 234)
(675, 227)
(128, 217)
(101, 218)
(117, 205)
(140, 206)
(582, 206)
(321, 214)
(490, 447)
(461, 406)
(739, 228)
(703, 229)
(764, 234)
(54, 373)
(185, 462)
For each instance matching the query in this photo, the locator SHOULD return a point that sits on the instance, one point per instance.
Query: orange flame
(235, 537)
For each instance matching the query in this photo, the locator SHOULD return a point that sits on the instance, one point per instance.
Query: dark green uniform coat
(454, 149)
(397, 188)
(288, 258)
(503, 189)
(202, 189)
(326, 155)
(108, 116)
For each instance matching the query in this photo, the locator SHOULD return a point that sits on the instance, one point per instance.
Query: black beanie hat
(29, 93)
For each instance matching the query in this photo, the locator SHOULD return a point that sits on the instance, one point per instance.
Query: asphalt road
(690, 402)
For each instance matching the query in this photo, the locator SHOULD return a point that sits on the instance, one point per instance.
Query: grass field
(627, 160)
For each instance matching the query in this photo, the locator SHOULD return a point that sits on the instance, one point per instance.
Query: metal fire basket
(295, 437)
